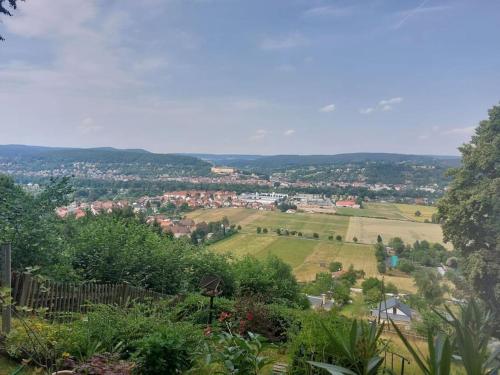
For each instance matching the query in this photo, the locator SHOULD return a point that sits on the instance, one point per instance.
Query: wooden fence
(28, 291)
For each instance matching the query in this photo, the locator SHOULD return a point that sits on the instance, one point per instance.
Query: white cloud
(283, 42)
(328, 108)
(383, 105)
(329, 10)
(366, 111)
(469, 130)
(259, 134)
(289, 132)
(88, 126)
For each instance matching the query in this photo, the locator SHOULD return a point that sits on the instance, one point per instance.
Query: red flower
(250, 316)
(224, 316)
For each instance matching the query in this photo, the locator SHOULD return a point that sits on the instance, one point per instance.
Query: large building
(223, 170)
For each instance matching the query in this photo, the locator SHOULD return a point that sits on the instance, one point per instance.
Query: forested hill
(37, 158)
(284, 161)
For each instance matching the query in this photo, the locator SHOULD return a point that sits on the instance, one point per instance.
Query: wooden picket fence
(30, 292)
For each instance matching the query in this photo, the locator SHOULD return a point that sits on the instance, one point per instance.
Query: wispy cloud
(89, 126)
(259, 134)
(289, 132)
(383, 105)
(421, 8)
(328, 108)
(329, 10)
(469, 130)
(283, 42)
(366, 111)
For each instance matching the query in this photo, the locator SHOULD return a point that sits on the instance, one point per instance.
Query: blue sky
(268, 77)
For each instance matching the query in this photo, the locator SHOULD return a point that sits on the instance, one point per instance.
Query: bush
(355, 239)
(315, 235)
(338, 237)
(105, 328)
(171, 350)
(37, 340)
(195, 308)
(335, 266)
(265, 230)
(381, 267)
(259, 230)
(406, 266)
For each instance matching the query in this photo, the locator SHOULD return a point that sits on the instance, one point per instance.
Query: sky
(249, 77)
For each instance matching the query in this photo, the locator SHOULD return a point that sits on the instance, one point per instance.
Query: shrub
(265, 230)
(335, 266)
(106, 328)
(315, 235)
(259, 230)
(381, 267)
(355, 239)
(240, 355)
(171, 350)
(406, 266)
(195, 308)
(37, 340)
(338, 237)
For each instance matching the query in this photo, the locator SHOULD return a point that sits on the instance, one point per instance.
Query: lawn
(367, 229)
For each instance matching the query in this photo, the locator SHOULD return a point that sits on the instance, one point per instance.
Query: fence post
(6, 283)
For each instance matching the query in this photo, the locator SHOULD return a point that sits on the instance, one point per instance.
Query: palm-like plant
(472, 333)
(438, 362)
(359, 351)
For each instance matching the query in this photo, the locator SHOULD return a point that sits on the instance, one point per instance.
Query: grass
(408, 211)
(367, 229)
(307, 223)
(309, 257)
(7, 367)
(378, 210)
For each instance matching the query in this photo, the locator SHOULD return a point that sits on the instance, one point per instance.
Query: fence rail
(30, 292)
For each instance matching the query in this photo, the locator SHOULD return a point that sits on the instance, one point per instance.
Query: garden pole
(6, 283)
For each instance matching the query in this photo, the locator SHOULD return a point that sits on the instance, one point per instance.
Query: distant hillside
(284, 161)
(137, 161)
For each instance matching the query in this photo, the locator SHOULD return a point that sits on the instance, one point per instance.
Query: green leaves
(358, 351)
(439, 359)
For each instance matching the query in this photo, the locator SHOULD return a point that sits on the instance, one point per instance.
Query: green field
(308, 256)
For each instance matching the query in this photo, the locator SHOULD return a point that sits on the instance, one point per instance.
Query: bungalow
(393, 309)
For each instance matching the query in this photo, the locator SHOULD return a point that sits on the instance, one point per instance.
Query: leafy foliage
(470, 211)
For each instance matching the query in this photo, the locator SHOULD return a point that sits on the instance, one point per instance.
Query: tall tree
(470, 211)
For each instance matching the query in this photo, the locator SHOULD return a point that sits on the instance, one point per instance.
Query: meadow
(308, 256)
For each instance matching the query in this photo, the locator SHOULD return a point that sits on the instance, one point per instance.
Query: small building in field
(348, 204)
(395, 310)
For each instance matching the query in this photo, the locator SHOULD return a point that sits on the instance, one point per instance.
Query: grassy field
(408, 211)
(378, 210)
(307, 256)
(367, 229)
(307, 223)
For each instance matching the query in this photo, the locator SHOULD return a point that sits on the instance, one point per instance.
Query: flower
(207, 331)
(224, 316)
(250, 316)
